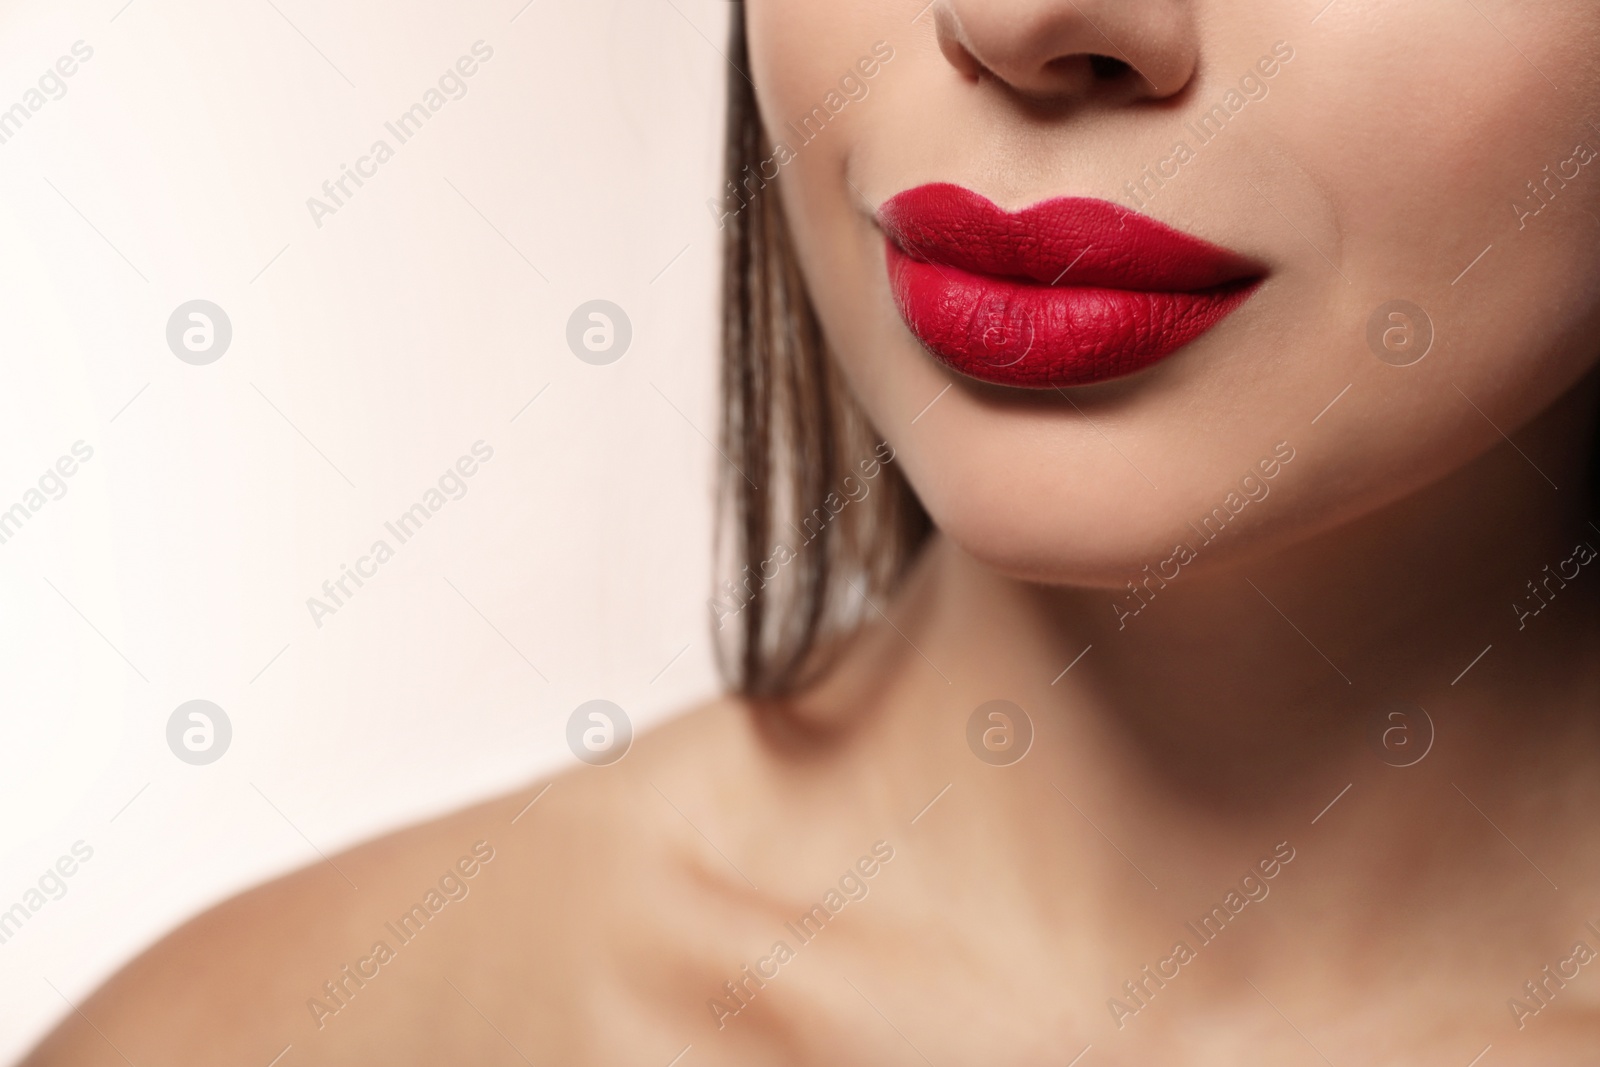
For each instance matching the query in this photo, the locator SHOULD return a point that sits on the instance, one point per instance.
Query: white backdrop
(372, 346)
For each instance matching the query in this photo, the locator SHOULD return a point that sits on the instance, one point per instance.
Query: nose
(1060, 50)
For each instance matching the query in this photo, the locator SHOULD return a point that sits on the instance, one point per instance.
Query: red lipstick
(1069, 291)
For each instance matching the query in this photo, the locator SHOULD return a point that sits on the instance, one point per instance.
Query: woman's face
(1387, 180)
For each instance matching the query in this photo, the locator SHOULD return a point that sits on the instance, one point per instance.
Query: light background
(368, 354)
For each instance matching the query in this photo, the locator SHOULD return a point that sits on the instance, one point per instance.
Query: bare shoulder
(559, 921)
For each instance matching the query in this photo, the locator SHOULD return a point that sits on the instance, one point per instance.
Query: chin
(1053, 541)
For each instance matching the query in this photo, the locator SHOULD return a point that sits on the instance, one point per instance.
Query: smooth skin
(1240, 715)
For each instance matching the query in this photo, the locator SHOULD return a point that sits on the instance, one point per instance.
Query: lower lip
(1028, 335)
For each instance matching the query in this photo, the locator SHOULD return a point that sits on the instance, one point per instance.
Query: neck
(1246, 696)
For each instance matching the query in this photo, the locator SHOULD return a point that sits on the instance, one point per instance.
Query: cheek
(1424, 165)
(1427, 159)
(799, 53)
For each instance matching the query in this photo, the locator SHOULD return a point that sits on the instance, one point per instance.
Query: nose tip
(1059, 50)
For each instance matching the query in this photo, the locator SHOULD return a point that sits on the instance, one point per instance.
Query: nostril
(1108, 69)
(1105, 70)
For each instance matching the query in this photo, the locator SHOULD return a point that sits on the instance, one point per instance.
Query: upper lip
(1067, 241)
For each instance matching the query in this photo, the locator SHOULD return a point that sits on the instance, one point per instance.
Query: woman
(1161, 610)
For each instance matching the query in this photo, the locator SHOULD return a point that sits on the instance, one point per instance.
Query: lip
(1069, 291)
